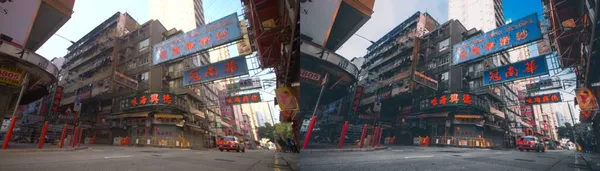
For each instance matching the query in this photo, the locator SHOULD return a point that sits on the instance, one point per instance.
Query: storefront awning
(468, 116)
(134, 115)
(168, 116)
(435, 115)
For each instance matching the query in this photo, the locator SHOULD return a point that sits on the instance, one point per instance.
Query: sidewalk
(334, 148)
(592, 160)
(20, 147)
(292, 160)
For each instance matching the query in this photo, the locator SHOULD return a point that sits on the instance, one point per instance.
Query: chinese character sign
(357, 96)
(452, 99)
(286, 99)
(517, 33)
(541, 99)
(219, 32)
(245, 98)
(11, 76)
(586, 99)
(150, 99)
(523, 69)
(57, 98)
(231, 67)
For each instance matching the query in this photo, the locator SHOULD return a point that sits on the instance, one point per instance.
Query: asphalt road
(442, 159)
(148, 159)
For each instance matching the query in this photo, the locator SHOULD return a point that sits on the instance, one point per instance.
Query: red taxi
(531, 143)
(230, 143)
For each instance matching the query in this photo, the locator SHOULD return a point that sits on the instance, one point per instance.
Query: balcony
(485, 90)
(101, 48)
(97, 77)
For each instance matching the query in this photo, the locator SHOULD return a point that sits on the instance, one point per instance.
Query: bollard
(43, 136)
(309, 131)
(362, 137)
(9, 133)
(343, 136)
(379, 137)
(62, 136)
(79, 137)
(74, 137)
(374, 136)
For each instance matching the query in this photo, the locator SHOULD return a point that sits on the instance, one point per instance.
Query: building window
(443, 45)
(444, 60)
(143, 45)
(144, 61)
(142, 76)
(444, 76)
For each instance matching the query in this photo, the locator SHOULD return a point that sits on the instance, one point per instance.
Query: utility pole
(572, 121)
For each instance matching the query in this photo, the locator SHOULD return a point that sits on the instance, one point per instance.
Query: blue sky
(90, 13)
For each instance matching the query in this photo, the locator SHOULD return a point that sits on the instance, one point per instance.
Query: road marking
(276, 163)
(112, 157)
(413, 157)
(576, 163)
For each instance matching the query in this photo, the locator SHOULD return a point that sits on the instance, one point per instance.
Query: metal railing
(474, 142)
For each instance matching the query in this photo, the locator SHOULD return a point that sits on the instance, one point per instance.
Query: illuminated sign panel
(217, 33)
(523, 69)
(519, 32)
(153, 99)
(541, 99)
(231, 67)
(453, 99)
(245, 98)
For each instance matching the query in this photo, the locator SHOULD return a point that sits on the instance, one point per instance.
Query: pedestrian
(282, 144)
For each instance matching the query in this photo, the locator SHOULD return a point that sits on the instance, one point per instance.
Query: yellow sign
(586, 99)
(243, 45)
(286, 99)
(11, 75)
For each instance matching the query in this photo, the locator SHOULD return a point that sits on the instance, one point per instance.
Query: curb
(286, 162)
(589, 164)
(347, 150)
(44, 150)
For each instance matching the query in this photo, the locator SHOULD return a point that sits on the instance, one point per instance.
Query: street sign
(377, 107)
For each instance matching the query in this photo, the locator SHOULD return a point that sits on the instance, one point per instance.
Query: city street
(147, 158)
(433, 158)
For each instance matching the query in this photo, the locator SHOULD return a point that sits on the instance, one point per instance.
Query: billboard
(219, 32)
(243, 46)
(541, 99)
(244, 98)
(425, 80)
(231, 67)
(519, 32)
(545, 84)
(244, 84)
(531, 67)
(11, 76)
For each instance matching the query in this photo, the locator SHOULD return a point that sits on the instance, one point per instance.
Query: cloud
(387, 15)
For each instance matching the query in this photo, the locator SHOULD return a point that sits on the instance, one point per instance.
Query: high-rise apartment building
(483, 15)
(184, 15)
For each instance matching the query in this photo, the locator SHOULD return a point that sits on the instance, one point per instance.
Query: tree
(266, 131)
(284, 130)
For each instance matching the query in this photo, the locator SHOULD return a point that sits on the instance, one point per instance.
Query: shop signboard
(545, 84)
(357, 96)
(243, 46)
(286, 99)
(125, 80)
(519, 32)
(244, 84)
(153, 99)
(542, 99)
(425, 80)
(57, 98)
(12, 76)
(531, 67)
(453, 99)
(310, 77)
(231, 67)
(217, 33)
(244, 98)
(587, 103)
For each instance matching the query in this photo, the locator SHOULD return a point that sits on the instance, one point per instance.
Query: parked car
(531, 143)
(231, 143)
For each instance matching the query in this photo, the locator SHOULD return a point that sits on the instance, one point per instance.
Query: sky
(87, 14)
